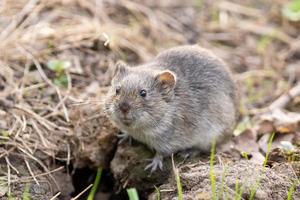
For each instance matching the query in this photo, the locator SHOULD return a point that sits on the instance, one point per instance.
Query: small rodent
(184, 98)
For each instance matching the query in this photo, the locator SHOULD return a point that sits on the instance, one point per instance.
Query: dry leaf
(285, 122)
(265, 126)
(246, 141)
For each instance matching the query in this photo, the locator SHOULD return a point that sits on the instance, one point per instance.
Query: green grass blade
(95, 185)
(292, 189)
(157, 193)
(179, 187)
(268, 150)
(238, 190)
(222, 189)
(178, 181)
(26, 193)
(291, 192)
(211, 171)
(132, 194)
(254, 188)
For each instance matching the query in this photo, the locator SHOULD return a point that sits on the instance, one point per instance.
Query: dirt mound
(235, 180)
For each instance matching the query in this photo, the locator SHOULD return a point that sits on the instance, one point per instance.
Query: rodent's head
(139, 97)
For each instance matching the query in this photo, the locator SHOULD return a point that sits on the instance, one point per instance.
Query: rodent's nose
(124, 107)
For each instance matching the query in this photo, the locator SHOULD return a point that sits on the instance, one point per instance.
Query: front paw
(156, 162)
(123, 137)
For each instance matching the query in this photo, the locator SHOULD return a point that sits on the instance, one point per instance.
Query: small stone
(261, 195)
(203, 196)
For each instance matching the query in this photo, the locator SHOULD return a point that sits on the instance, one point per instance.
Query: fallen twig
(31, 172)
(25, 179)
(8, 176)
(240, 9)
(27, 9)
(8, 162)
(283, 100)
(55, 196)
(76, 197)
(265, 31)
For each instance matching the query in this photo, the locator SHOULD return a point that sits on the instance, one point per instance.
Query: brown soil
(269, 183)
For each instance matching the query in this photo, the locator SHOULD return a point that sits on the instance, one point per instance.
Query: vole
(184, 98)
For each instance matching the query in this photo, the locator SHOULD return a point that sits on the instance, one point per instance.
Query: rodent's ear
(166, 81)
(167, 78)
(120, 68)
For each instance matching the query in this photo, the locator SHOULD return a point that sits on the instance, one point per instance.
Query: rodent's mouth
(126, 121)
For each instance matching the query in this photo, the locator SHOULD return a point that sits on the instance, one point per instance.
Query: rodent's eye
(143, 93)
(118, 89)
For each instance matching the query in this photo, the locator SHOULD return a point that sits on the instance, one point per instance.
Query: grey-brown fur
(198, 108)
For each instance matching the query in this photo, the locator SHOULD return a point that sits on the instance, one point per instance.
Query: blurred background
(259, 40)
(61, 51)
